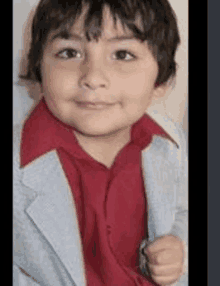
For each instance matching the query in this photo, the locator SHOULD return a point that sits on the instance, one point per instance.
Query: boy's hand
(165, 257)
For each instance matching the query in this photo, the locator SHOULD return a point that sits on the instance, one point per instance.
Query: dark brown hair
(158, 19)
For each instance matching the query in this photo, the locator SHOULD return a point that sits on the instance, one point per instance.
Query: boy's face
(116, 76)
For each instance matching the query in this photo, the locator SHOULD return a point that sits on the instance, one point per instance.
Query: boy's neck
(104, 149)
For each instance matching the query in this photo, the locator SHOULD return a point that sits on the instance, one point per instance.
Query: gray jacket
(47, 248)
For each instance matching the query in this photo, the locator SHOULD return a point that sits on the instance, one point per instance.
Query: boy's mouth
(93, 105)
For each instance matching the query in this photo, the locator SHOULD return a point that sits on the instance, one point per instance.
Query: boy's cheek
(61, 86)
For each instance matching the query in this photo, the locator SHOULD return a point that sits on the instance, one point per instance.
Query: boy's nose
(92, 85)
(94, 78)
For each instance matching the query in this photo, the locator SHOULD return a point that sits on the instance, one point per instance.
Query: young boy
(100, 187)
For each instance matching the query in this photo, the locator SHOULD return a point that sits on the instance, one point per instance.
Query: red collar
(43, 132)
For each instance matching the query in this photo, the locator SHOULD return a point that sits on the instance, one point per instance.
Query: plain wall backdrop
(175, 104)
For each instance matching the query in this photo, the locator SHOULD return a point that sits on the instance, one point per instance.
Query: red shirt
(110, 202)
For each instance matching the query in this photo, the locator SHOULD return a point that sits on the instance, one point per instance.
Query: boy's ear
(160, 91)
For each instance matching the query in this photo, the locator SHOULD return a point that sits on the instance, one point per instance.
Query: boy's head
(116, 53)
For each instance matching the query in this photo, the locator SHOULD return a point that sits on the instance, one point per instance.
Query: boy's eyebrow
(66, 35)
(121, 38)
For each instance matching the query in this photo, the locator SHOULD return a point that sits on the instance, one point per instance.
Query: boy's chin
(98, 132)
(95, 133)
(88, 129)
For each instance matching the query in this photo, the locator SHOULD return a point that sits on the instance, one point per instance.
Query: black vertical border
(213, 103)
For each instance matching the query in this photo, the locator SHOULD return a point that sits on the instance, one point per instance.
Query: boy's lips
(93, 105)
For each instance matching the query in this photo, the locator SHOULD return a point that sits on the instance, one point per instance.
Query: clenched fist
(165, 256)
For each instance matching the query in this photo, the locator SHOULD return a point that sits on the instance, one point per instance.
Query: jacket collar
(168, 126)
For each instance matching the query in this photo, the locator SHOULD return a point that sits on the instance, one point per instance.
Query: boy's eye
(124, 55)
(68, 53)
(72, 53)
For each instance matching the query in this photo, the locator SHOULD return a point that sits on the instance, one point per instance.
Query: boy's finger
(158, 245)
(165, 280)
(164, 270)
(152, 249)
(151, 259)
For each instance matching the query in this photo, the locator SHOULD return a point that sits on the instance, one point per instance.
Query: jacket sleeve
(180, 226)
(21, 278)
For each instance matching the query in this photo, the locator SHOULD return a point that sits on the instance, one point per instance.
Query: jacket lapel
(159, 165)
(54, 213)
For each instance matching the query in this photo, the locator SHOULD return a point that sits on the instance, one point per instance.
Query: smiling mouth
(93, 105)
